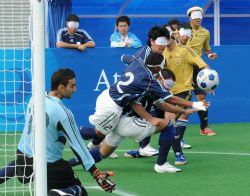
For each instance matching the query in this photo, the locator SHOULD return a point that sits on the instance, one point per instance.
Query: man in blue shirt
(124, 38)
(60, 127)
(72, 37)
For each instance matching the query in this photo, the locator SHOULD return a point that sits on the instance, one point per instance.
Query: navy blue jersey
(135, 82)
(80, 36)
(143, 53)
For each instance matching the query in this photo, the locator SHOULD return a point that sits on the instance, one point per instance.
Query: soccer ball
(207, 79)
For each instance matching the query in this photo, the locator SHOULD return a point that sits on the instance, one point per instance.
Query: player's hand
(201, 105)
(212, 56)
(81, 47)
(170, 116)
(189, 111)
(159, 122)
(103, 181)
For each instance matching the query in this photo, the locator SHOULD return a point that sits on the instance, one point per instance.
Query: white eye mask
(168, 84)
(160, 65)
(185, 32)
(73, 24)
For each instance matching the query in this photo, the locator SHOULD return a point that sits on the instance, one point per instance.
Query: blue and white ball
(207, 79)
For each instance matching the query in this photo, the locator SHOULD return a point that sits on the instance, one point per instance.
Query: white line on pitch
(207, 152)
(117, 192)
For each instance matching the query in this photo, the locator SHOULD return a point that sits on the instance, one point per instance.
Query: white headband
(196, 14)
(161, 41)
(160, 65)
(185, 32)
(73, 24)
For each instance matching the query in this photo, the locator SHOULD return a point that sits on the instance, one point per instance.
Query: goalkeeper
(60, 127)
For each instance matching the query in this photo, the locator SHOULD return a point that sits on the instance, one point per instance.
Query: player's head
(167, 78)
(158, 38)
(185, 32)
(63, 83)
(123, 23)
(155, 62)
(72, 23)
(195, 15)
(174, 24)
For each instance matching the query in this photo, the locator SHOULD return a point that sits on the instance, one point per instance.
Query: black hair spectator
(123, 19)
(73, 17)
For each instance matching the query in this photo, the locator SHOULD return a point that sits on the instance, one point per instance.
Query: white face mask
(168, 84)
(73, 24)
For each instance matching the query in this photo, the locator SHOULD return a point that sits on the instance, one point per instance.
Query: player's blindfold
(73, 24)
(185, 32)
(161, 65)
(168, 84)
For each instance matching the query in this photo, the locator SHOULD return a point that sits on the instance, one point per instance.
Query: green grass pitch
(218, 166)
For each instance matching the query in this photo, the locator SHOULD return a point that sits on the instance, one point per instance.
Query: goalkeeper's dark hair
(61, 76)
(123, 19)
(167, 74)
(157, 31)
(73, 17)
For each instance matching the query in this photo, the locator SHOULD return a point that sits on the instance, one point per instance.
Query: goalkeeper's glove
(103, 180)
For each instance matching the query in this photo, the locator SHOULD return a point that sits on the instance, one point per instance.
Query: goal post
(38, 88)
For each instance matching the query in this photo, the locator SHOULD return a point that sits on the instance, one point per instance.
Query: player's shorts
(187, 95)
(130, 127)
(197, 90)
(107, 114)
(61, 176)
(24, 167)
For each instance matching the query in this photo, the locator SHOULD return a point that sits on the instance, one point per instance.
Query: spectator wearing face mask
(73, 37)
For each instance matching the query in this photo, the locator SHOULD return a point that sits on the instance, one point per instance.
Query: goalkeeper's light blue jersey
(60, 127)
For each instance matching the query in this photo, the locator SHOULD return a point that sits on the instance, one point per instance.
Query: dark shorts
(24, 167)
(197, 90)
(61, 175)
(187, 95)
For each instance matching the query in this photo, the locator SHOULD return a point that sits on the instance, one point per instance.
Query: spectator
(72, 37)
(124, 38)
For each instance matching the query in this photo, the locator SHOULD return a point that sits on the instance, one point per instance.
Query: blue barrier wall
(97, 68)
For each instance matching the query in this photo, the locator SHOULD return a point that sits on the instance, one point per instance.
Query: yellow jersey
(200, 40)
(182, 61)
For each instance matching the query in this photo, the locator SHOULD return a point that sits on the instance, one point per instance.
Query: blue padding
(231, 103)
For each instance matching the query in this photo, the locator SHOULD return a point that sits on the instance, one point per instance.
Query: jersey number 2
(131, 78)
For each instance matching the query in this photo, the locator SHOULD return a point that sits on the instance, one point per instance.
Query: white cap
(73, 24)
(185, 32)
(196, 14)
(196, 8)
(161, 41)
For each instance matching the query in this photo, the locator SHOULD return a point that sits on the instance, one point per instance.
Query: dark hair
(167, 74)
(157, 31)
(61, 76)
(123, 19)
(185, 25)
(154, 58)
(173, 21)
(73, 17)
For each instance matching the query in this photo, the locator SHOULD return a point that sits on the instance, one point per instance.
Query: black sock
(87, 133)
(165, 142)
(203, 115)
(145, 142)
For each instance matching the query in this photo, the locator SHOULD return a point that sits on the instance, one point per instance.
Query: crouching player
(60, 127)
(134, 127)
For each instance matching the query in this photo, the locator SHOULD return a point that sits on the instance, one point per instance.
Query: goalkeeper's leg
(7, 172)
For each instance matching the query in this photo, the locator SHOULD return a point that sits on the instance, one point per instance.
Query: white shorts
(131, 127)
(107, 114)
